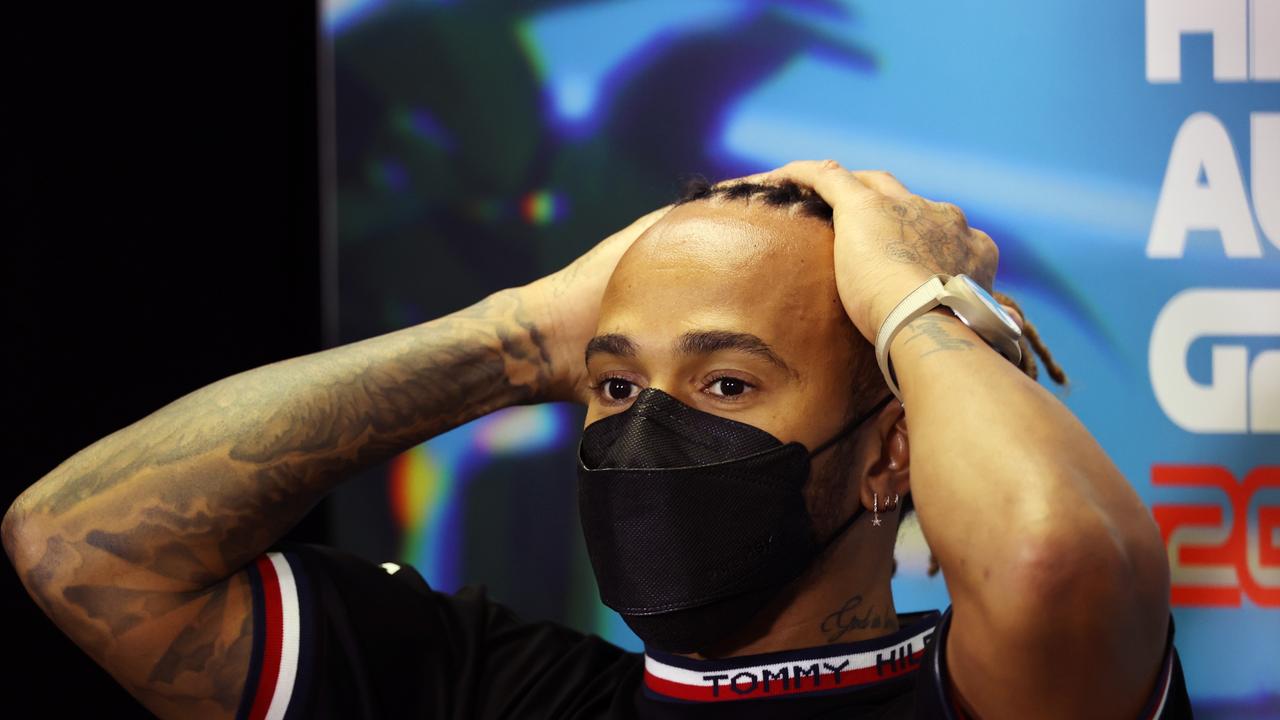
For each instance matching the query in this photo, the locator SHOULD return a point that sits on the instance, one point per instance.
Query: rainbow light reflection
(427, 482)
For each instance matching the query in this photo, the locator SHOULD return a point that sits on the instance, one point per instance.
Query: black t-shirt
(336, 636)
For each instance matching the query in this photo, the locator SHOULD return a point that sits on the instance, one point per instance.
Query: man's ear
(889, 473)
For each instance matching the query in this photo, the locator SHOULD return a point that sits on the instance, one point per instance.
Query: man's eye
(728, 387)
(619, 389)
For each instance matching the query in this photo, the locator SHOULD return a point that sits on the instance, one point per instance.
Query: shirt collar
(824, 669)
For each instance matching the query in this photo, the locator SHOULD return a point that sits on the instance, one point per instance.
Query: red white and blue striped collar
(819, 670)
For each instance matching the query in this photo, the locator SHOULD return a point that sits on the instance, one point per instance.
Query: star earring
(875, 500)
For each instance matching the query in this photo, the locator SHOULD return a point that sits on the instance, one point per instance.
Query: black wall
(161, 231)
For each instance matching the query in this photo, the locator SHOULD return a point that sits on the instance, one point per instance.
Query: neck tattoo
(848, 618)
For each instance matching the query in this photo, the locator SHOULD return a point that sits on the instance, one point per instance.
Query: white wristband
(916, 303)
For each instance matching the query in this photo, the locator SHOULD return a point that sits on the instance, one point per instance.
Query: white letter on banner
(1264, 40)
(1265, 168)
(1264, 393)
(1169, 20)
(1219, 204)
(1222, 405)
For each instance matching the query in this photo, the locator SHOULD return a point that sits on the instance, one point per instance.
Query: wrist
(939, 317)
(890, 291)
(944, 332)
(536, 317)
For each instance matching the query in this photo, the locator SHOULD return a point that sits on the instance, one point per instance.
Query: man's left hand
(888, 240)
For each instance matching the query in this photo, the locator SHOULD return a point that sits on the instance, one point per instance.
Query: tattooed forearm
(242, 450)
(930, 334)
(848, 618)
(331, 411)
(137, 525)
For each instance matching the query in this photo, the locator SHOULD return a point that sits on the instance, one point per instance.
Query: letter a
(1219, 204)
(1265, 171)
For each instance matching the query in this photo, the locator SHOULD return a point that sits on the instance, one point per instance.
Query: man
(742, 471)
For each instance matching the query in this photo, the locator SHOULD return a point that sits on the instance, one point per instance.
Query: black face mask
(693, 522)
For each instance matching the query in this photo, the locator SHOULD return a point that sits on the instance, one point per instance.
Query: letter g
(1238, 398)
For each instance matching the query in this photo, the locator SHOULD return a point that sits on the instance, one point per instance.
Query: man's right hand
(566, 306)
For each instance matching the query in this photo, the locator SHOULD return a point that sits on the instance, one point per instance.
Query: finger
(831, 181)
(987, 246)
(1013, 313)
(882, 181)
(753, 178)
(756, 178)
(638, 227)
(801, 171)
(951, 211)
(653, 216)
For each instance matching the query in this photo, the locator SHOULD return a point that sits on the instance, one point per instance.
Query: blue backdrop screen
(1124, 156)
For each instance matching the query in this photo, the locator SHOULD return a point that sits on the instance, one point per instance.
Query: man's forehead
(716, 252)
(742, 228)
(732, 267)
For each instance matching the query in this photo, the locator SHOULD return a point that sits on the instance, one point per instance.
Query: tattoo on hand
(839, 623)
(936, 238)
(901, 252)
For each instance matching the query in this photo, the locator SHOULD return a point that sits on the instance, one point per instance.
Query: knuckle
(954, 212)
(798, 168)
(985, 246)
(888, 205)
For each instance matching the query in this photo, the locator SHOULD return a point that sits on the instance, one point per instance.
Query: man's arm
(132, 546)
(1056, 570)
(135, 546)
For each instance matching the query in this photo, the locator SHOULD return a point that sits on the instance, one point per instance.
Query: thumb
(1017, 316)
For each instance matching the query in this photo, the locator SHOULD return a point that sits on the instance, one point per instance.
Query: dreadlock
(805, 202)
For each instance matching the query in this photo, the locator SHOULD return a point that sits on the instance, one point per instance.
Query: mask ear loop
(851, 426)
(841, 530)
(839, 436)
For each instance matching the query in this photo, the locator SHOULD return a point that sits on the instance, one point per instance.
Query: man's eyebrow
(704, 342)
(612, 344)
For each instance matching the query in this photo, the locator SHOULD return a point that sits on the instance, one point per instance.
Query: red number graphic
(1219, 574)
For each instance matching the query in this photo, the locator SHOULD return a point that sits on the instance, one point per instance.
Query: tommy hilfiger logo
(821, 669)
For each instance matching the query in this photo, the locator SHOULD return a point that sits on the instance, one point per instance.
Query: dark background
(161, 231)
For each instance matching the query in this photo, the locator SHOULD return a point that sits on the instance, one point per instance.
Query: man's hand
(888, 241)
(566, 306)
